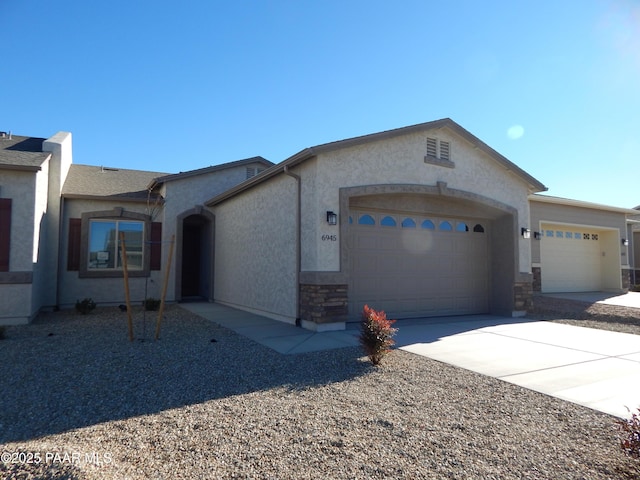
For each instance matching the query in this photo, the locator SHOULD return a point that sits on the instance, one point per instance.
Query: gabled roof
(214, 168)
(311, 152)
(88, 181)
(22, 153)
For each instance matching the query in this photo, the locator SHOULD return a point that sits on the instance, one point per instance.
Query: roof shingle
(22, 153)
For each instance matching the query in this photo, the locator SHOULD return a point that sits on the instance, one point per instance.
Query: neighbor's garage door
(570, 259)
(413, 266)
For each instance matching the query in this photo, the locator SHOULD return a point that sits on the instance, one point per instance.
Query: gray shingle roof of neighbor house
(21, 153)
(310, 152)
(89, 181)
(214, 168)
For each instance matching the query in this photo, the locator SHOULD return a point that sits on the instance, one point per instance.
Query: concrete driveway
(595, 368)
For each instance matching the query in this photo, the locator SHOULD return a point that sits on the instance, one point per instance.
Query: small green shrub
(376, 334)
(151, 304)
(630, 435)
(85, 306)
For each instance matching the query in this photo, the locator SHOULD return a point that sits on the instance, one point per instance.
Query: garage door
(570, 259)
(415, 266)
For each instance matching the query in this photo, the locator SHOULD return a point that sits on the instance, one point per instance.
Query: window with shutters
(95, 248)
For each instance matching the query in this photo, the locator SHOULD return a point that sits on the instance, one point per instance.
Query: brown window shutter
(5, 233)
(73, 247)
(156, 246)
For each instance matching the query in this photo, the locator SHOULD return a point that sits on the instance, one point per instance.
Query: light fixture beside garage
(526, 232)
(625, 242)
(332, 218)
(537, 235)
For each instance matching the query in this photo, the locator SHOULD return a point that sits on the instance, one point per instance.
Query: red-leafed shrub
(376, 334)
(630, 435)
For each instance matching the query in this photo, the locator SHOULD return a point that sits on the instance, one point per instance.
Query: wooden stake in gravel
(164, 287)
(126, 285)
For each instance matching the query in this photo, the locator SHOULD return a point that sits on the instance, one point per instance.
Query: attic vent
(438, 153)
(253, 171)
(432, 147)
(444, 150)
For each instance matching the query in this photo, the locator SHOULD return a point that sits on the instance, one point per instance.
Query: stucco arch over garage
(485, 260)
(195, 234)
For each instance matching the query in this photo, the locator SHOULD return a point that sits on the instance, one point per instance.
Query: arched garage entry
(417, 251)
(194, 255)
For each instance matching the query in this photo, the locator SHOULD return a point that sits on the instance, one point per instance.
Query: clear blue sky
(173, 86)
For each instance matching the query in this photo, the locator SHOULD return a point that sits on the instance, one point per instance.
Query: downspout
(298, 239)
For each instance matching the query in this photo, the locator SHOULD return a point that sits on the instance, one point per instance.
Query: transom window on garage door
(569, 235)
(372, 219)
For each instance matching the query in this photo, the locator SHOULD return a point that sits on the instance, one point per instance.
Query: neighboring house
(32, 171)
(419, 221)
(579, 246)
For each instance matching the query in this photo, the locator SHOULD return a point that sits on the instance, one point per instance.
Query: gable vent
(432, 145)
(444, 150)
(253, 171)
(438, 153)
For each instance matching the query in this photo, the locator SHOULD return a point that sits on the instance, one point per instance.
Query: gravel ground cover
(79, 401)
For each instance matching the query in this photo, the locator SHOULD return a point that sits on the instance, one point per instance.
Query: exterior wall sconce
(526, 233)
(625, 242)
(332, 218)
(537, 235)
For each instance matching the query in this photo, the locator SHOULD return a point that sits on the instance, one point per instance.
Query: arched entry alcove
(194, 255)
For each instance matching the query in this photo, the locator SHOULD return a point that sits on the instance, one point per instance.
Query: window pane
(134, 244)
(446, 226)
(428, 224)
(408, 223)
(366, 220)
(388, 222)
(102, 242)
(462, 227)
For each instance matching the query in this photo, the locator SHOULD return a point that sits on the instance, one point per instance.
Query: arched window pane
(408, 223)
(462, 227)
(478, 228)
(428, 224)
(446, 226)
(388, 222)
(366, 220)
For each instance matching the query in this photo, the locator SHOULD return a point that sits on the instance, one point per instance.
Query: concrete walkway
(279, 336)
(595, 368)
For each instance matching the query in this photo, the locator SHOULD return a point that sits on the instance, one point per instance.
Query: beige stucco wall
(185, 194)
(43, 277)
(400, 160)
(16, 305)
(60, 147)
(255, 249)
(21, 187)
